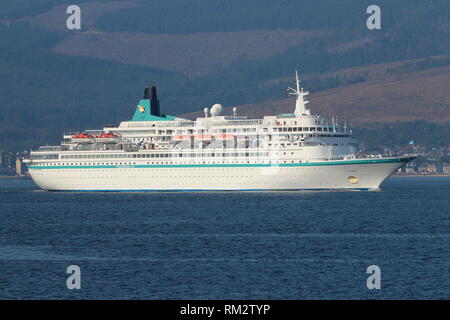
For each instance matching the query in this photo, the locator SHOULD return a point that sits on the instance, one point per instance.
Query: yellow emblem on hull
(141, 109)
(353, 180)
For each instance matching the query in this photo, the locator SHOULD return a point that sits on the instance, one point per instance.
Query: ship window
(312, 129)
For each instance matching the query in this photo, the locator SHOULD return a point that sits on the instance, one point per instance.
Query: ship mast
(300, 103)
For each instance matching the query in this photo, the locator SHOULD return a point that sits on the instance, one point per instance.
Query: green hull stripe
(231, 165)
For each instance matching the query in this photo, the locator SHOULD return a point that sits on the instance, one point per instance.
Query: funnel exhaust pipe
(150, 94)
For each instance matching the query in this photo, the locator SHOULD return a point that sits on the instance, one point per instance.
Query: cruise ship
(159, 152)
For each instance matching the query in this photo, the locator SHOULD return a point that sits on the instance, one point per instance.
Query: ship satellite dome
(216, 109)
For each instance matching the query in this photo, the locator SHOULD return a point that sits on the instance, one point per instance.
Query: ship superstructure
(155, 151)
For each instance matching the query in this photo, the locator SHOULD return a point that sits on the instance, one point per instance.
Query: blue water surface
(227, 245)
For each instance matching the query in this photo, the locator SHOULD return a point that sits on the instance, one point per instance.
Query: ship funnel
(150, 94)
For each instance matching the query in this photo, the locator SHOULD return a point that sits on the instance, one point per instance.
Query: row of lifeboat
(83, 138)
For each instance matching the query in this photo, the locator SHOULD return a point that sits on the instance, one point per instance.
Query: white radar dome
(216, 109)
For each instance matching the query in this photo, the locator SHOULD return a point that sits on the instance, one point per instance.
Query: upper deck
(151, 131)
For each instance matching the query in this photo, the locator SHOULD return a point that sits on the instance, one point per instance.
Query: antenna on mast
(300, 109)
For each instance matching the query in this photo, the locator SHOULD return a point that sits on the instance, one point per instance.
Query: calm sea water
(226, 245)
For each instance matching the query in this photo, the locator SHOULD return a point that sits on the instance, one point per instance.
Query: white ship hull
(340, 174)
(159, 152)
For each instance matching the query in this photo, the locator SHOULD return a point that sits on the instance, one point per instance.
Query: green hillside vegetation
(423, 133)
(191, 16)
(43, 93)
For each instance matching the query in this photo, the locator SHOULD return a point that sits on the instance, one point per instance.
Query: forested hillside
(53, 79)
(43, 93)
